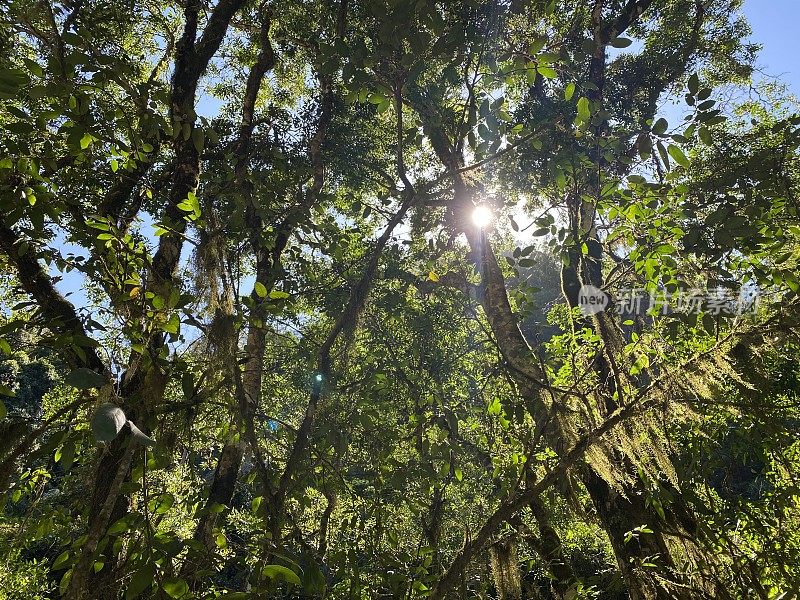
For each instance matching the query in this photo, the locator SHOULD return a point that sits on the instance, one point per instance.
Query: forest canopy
(360, 299)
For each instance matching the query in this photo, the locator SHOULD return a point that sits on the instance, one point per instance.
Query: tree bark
(505, 569)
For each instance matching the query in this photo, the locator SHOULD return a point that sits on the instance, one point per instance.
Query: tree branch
(59, 311)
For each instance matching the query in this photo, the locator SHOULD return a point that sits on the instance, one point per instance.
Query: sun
(481, 216)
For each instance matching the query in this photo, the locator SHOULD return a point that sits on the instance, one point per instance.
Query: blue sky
(775, 26)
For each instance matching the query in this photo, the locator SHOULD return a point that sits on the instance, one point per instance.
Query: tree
(310, 373)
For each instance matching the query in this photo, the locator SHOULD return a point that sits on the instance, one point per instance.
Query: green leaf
(11, 80)
(678, 156)
(281, 573)
(261, 289)
(660, 126)
(569, 91)
(119, 526)
(494, 407)
(175, 587)
(85, 379)
(548, 72)
(107, 422)
(33, 67)
(694, 84)
(536, 45)
(662, 152)
(173, 324)
(198, 139)
(140, 581)
(620, 43)
(278, 295)
(66, 455)
(584, 112)
(583, 106)
(63, 585)
(3, 410)
(61, 561)
(384, 106)
(86, 140)
(161, 504)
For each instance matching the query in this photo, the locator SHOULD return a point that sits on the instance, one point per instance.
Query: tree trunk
(505, 569)
(549, 548)
(619, 516)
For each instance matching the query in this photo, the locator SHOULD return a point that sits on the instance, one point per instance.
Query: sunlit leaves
(584, 112)
(546, 71)
(172, 325)
(678, 156)
(191, 205)
(161, 504)
(62, 561)
(280, 573)
(423, 400)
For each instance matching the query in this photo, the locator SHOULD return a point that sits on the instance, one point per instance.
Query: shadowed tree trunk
(548, 545)
(505, 569)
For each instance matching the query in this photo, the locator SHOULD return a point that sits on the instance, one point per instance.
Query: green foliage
(240, 255)
(25, 579)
